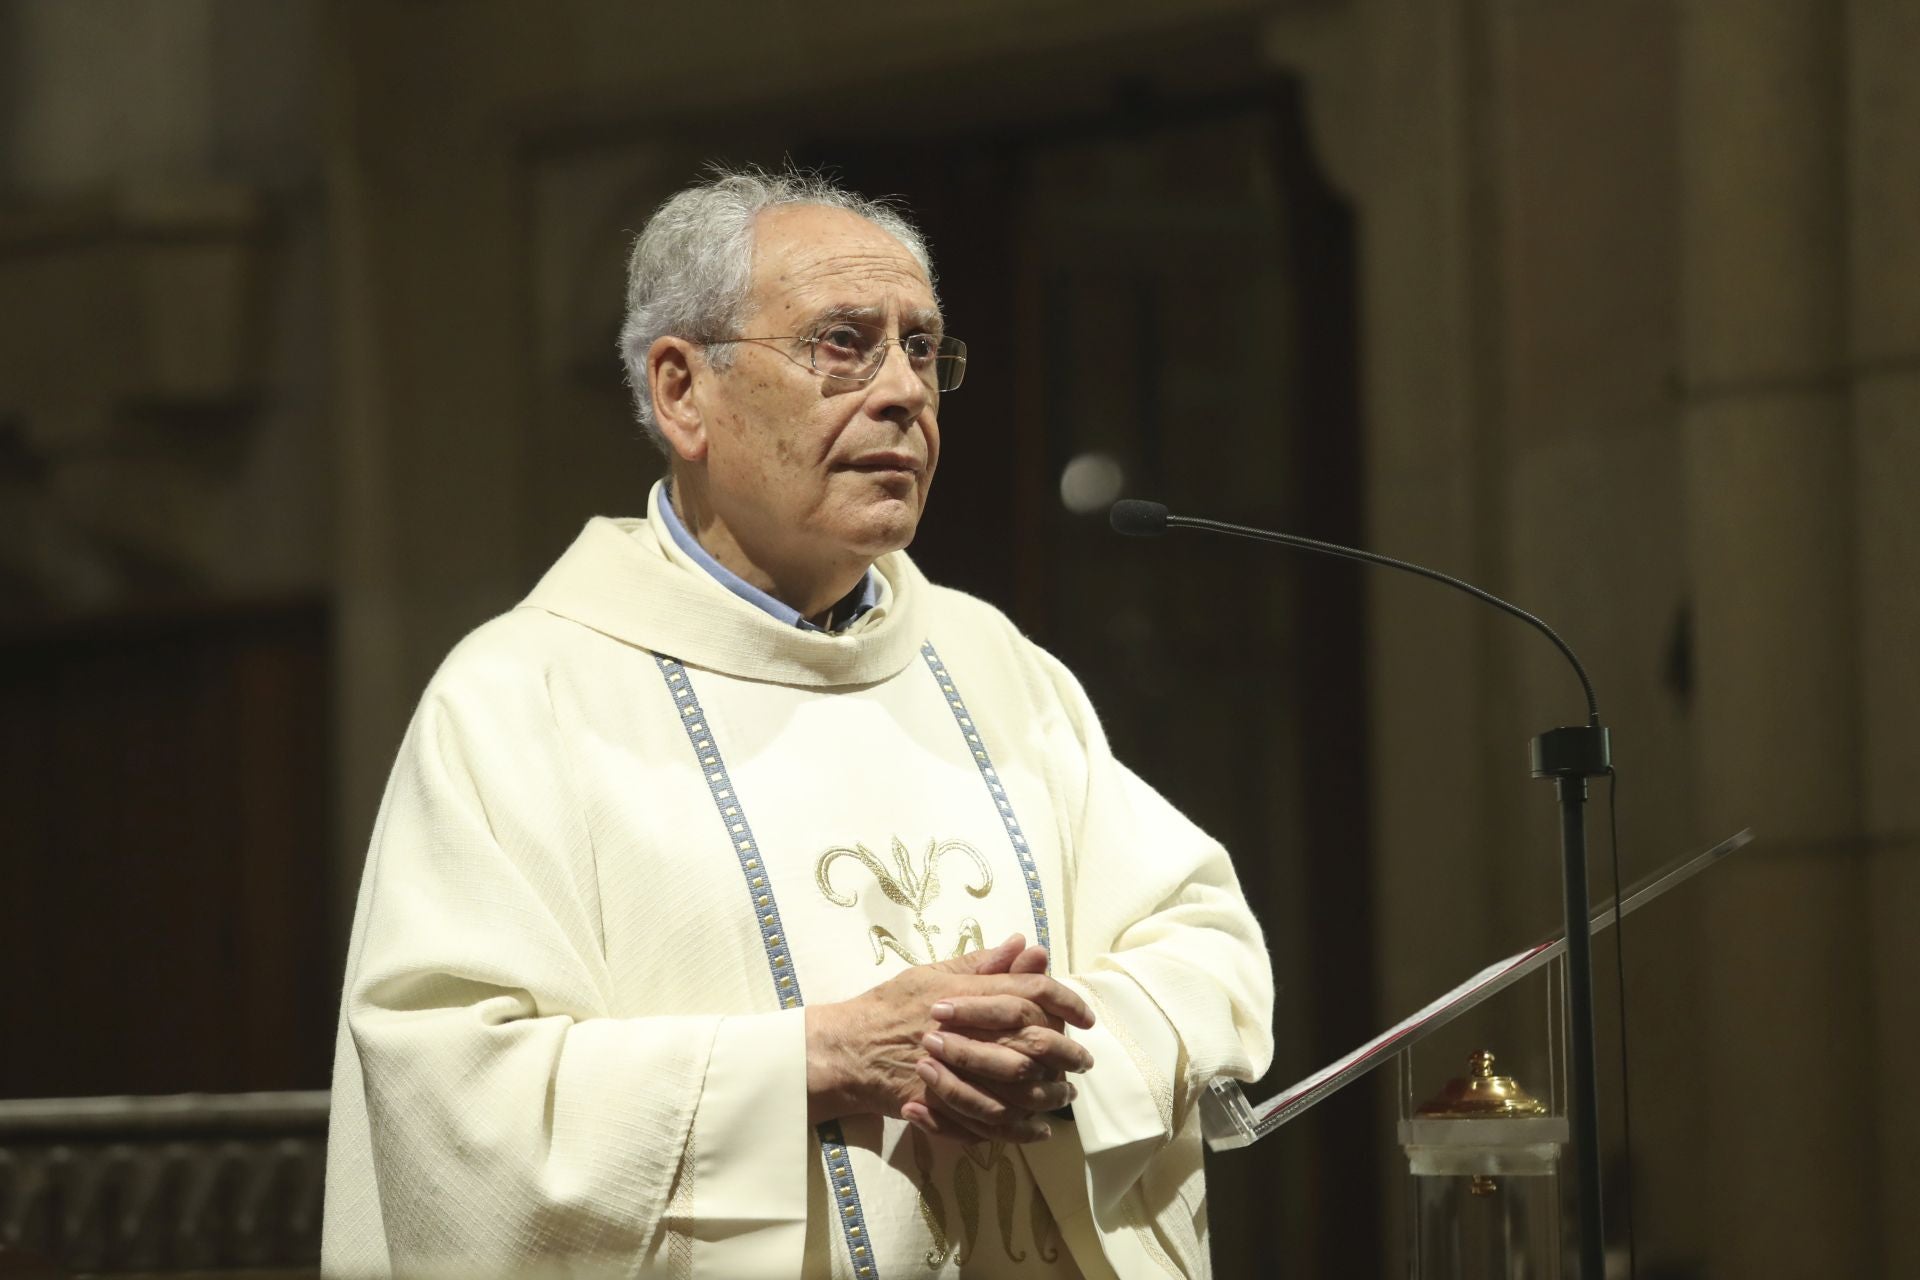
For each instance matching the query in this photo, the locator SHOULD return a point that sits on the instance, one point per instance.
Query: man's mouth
(884, 462)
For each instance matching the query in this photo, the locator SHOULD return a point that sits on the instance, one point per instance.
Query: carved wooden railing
(185, 1183)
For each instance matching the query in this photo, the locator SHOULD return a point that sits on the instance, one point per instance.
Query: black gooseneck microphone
(1569, 755)
(1141, 519)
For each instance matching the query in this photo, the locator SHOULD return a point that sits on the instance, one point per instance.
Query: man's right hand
(863, 1054)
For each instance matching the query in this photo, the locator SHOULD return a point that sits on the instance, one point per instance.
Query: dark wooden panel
(163, 806)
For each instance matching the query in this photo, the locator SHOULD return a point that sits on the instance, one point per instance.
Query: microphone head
(1138, 519)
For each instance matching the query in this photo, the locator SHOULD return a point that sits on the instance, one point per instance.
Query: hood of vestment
(630, 580)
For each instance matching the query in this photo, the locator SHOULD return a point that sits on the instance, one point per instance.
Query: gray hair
(691, 270)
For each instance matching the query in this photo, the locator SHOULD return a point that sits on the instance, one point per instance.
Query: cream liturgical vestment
(637, 823)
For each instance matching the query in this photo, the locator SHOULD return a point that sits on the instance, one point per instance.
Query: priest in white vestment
(742, 904)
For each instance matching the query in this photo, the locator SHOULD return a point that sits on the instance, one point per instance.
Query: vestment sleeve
(509, 1112)
(1163, 945)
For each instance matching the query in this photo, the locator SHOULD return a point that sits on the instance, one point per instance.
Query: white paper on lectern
(1229, 1120)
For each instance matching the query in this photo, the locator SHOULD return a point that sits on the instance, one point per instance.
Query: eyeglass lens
(855, 351)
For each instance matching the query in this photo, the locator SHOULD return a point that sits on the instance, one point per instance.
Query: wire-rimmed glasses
(853, 351)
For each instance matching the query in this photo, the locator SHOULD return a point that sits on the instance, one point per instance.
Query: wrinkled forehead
(811, 262)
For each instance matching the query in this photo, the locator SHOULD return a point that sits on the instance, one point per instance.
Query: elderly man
(672, 951)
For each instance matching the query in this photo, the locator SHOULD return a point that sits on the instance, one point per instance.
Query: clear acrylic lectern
(1483, 1156)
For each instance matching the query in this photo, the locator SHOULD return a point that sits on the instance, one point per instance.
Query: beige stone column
(432, 324)
(1883, 165)
(1769, 484)
(1427, 496)
(1434, 675)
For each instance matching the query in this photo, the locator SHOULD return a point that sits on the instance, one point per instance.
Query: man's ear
(673, 365)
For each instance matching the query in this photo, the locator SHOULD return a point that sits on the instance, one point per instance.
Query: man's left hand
(993, 1059)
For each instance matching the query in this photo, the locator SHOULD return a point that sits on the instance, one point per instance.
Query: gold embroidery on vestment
(911, 889)
(994, 1163)
(933, 1208)
(1045, 1231)
(1005, 1186)
(966, 1191)
(998, 1165)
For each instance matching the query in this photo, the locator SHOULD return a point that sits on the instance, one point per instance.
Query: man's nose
(901, 393)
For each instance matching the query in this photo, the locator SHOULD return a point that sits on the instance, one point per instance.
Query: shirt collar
(847, 610)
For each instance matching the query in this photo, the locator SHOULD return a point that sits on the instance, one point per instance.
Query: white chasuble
(637, 825)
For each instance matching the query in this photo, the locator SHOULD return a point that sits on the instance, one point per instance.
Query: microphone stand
(1570, 755)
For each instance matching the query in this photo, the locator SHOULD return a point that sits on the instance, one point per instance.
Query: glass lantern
(1484, 1157)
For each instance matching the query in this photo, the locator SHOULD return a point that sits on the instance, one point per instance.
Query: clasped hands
(974, 1048)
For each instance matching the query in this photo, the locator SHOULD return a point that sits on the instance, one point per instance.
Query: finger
(983, 1060)
(948, 1094)
(1011, 1077)
(1037, 1099)
(1056, 998)
(924, 1118)
(1032, 960)
(921, 1117)
(944, 1123)
(989, 1013)
(1042, 1098)
(1009, 1002)
(994, 960)
(1030, 1054)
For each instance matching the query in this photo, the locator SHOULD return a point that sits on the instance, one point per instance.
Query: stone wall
(1640, 299)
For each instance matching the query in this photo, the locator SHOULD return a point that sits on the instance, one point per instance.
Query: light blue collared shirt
(843, 614)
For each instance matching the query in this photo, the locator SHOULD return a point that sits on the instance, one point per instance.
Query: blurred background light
(1091, 482)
